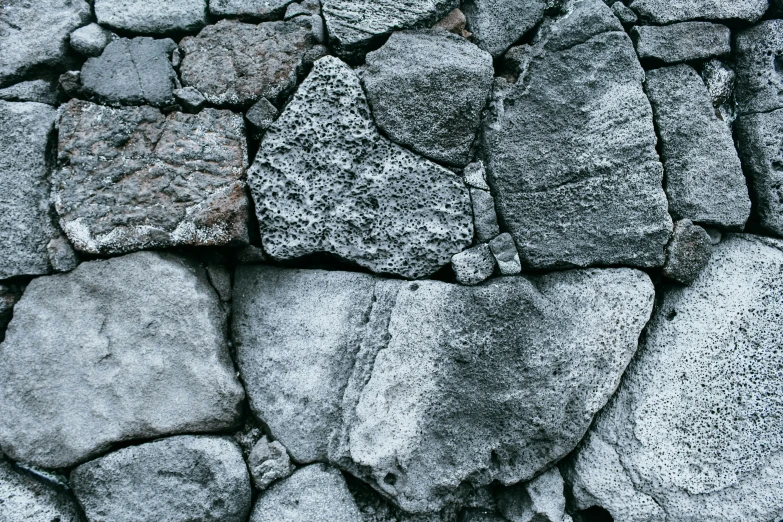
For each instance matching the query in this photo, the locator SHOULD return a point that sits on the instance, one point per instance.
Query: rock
(132, 178)
(220, 278)
(39, 91)
(142, 16)
(759, 51)
(325, 180)
(454, 22)
(26, 130)
(190, 98)
(306, 7)
(22, 498)
(719, 80)
(91, 40)
(261, 115)
(316, 53)
(132, 72)
(688, 252)
(571, 150)
(476, 175)
(667, 11)
(249, 9)
(498, 24)
(178, 479)
(474, 265)
(236, 64)
(61, 255)
(693, 431)
(704, 179)
(315, 493)
(269, 462)
(140, 352)
(9, 295)
(427, 89)
(624, 13)
(356, 26)
(506, 255)
(715, 235)
(682, 42)
(34, 35)
(485, 221)
(540, 500)
(70, 83)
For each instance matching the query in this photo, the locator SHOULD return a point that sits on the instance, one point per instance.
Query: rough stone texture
(759, 51)
(70, 83)
(25, 134)
(268, 462)
(132, 178)
(9, 295)
(571, 150)
(693, 432)
(249, 9)
(261, 115)
(34, 35)
(485, 220)
(540, 500)
(23, 498)
(236, 64)
(688, 252)
(506, 255)
(719, 80)
(704, 179)
(476, 175)
(427, 89)
(315, 493)
(91, 40)
(325, 180)
(143, 16)
(355, 26)
(497, 24)
(667, 11)
(306, 7)
(190, 98)
(624, 13)
(62, 257)
(178, 479)
(40, 91)
(682, 42)
(125, 348)
(132, 72)
(454, 22)
(474, 265)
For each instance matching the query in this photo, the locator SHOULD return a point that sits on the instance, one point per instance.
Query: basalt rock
(145, 17)
(497, 24)
(667, 11)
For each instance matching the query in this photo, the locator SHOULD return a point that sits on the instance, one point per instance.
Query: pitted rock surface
(759, 78)
(23, 498)
(249, 9)
(667, 11)
(145, 17)
(682, 42)
(498, 24)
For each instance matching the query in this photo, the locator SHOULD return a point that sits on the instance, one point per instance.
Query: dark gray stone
(249, 9)
(70, 83)
(178, 479)
(474, 265)
(91, 40)
(9, 295)
(268, 462)
(497, 24)
(140, 352)
(25, 499)
(39, 91)
(427, 89)
(506, 255)
(61, 255)
(682, 42)
(719, 80)
(688, 252)
(624, 13)
(485, 220)
(759, 51)
(190, 98)
(261, 115)
(667, 11)
(145, 17)
(540, 500)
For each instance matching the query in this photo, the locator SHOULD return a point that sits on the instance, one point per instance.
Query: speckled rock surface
(249, 9)
(497, 24)
(682, 42)
(474, 265)
(91, 40)
(145, 17)
(39, 91)
(540, 500)
(268, 462)
(9, 295)
(759, 80)
(667, 11)
(687, 253)
(506, 255)
(23, 498)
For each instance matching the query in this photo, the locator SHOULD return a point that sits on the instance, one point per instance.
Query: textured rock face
(131, 347)
(497, 24)
(427, 89)
(571, 150)
(143, 16)
(325, 180)
(759, 79)
(91, 40)
(474, 265)
(133, 178)
(178, 479)
(667, 11)
(706, 383)
(249, 9)
(40, 91)
(268, 462)
(687, 253)
(24, 498)
(682, 42)
(540, 500)
(9, 295)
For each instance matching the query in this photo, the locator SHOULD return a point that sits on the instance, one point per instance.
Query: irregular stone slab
(249, 9)
(759, 51)
(506, 255)
(140, 352)
(24, 498)
(268, 462)
(262, 115)
(667, 11)
(693, 432)
(427, 90)
(315, 493)
(325, 180)
(34, 35)
(142, 16)
(62, 257)
(25, 133)
(704, 179)
(355, 26)
(682, 42)
(40, 91)
(687, 253)
(624, 13)
(236, 64)
(91, 40)
(485, 219)
(571, 150)
(178, 479)
(132, 72)
(497, 24)
(474, 265)
(132, 178)
(539, 500)
(190, 98)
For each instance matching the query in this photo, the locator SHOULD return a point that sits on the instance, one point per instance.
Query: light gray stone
(178, 479)
(476, 175)
(145, 17)
(498, 24)
(688, 252)
(506, 255)
(693, 432)
(140, 352)
(261, 115)
(39, 91)
(667, 11)
(23, 498)
(474, 265)
(190, 98)
(485, 220)
(454, 22)
(249, 9)
(325, 180)
(759, 51)
(540, 500)
(91, 40)
(624, 13)
(427, 89)
(62, 257)
(682, 42)
(268, 462)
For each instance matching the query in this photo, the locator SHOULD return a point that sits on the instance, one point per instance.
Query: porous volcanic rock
(497, 24)
(474, 265)
(23, 498)
(540, 500)
(682, 42)
(145, 17)
(759, 79)
(667, 11)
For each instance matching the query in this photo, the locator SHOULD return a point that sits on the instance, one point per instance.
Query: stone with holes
(759, 61)
(667, 11)
(497, 24)
(24, 498)
(474, 265)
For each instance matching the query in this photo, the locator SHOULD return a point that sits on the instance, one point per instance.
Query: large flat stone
(145, 17)
(23, 498)
(682, 42)
(759, 51)
(498, 24)
(667, 11)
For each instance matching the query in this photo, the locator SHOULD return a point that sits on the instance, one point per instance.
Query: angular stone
(61, 255)
(132, 178)
(759, 52)
(540, 500)
(667, 11)
(91, 40)
(34, 35)
(262, 115)
(190, 98)
(474, 265)
(25, 133)
(497, 24)
(624, 13)
(249, 9)
(693, 432)
(40, 91)
(355, 26)
(704, 179)
(143, 16)
(454, 22)
(719, 80)
(571, 150)
(268, 462)
(325, 180)
(23, 498)
(132, 72)
(485, 220)
(178, 479)
(682, 42)
(306, 7)
(140, 352)
(236, 64)
(70, 83)
(506, 255)
(476, 175)
(427, 89)
(688, 252)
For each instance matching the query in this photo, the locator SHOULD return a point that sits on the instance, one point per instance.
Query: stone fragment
(474, 265)
(61, 255)
(23, 498)
(145, 17)
(140, 352)
(132, 72)
(91, 40)
(176, 58)
(177, 479)
(34, 35)
(571, 150)
(498, 24)
(70, 83)
(314, 54)
(715, 235)
(624, 13)
(325, 180)
(190, 98)
(26, 130)
(506, 255)
(427, 89)
(249, 9)
(261, 115)
(454, 22)
(719, 80)
(668, 11)
(307, 7)
(485, 220)
(268, 462)
(759, 52)
(132, 178)
(9, 295)
(681, 42)
(355, 26)
(688, 252)
(39, 91)
(704, 179)
(476, 175)
(236, 64)
(540, 500)
(693, 432)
